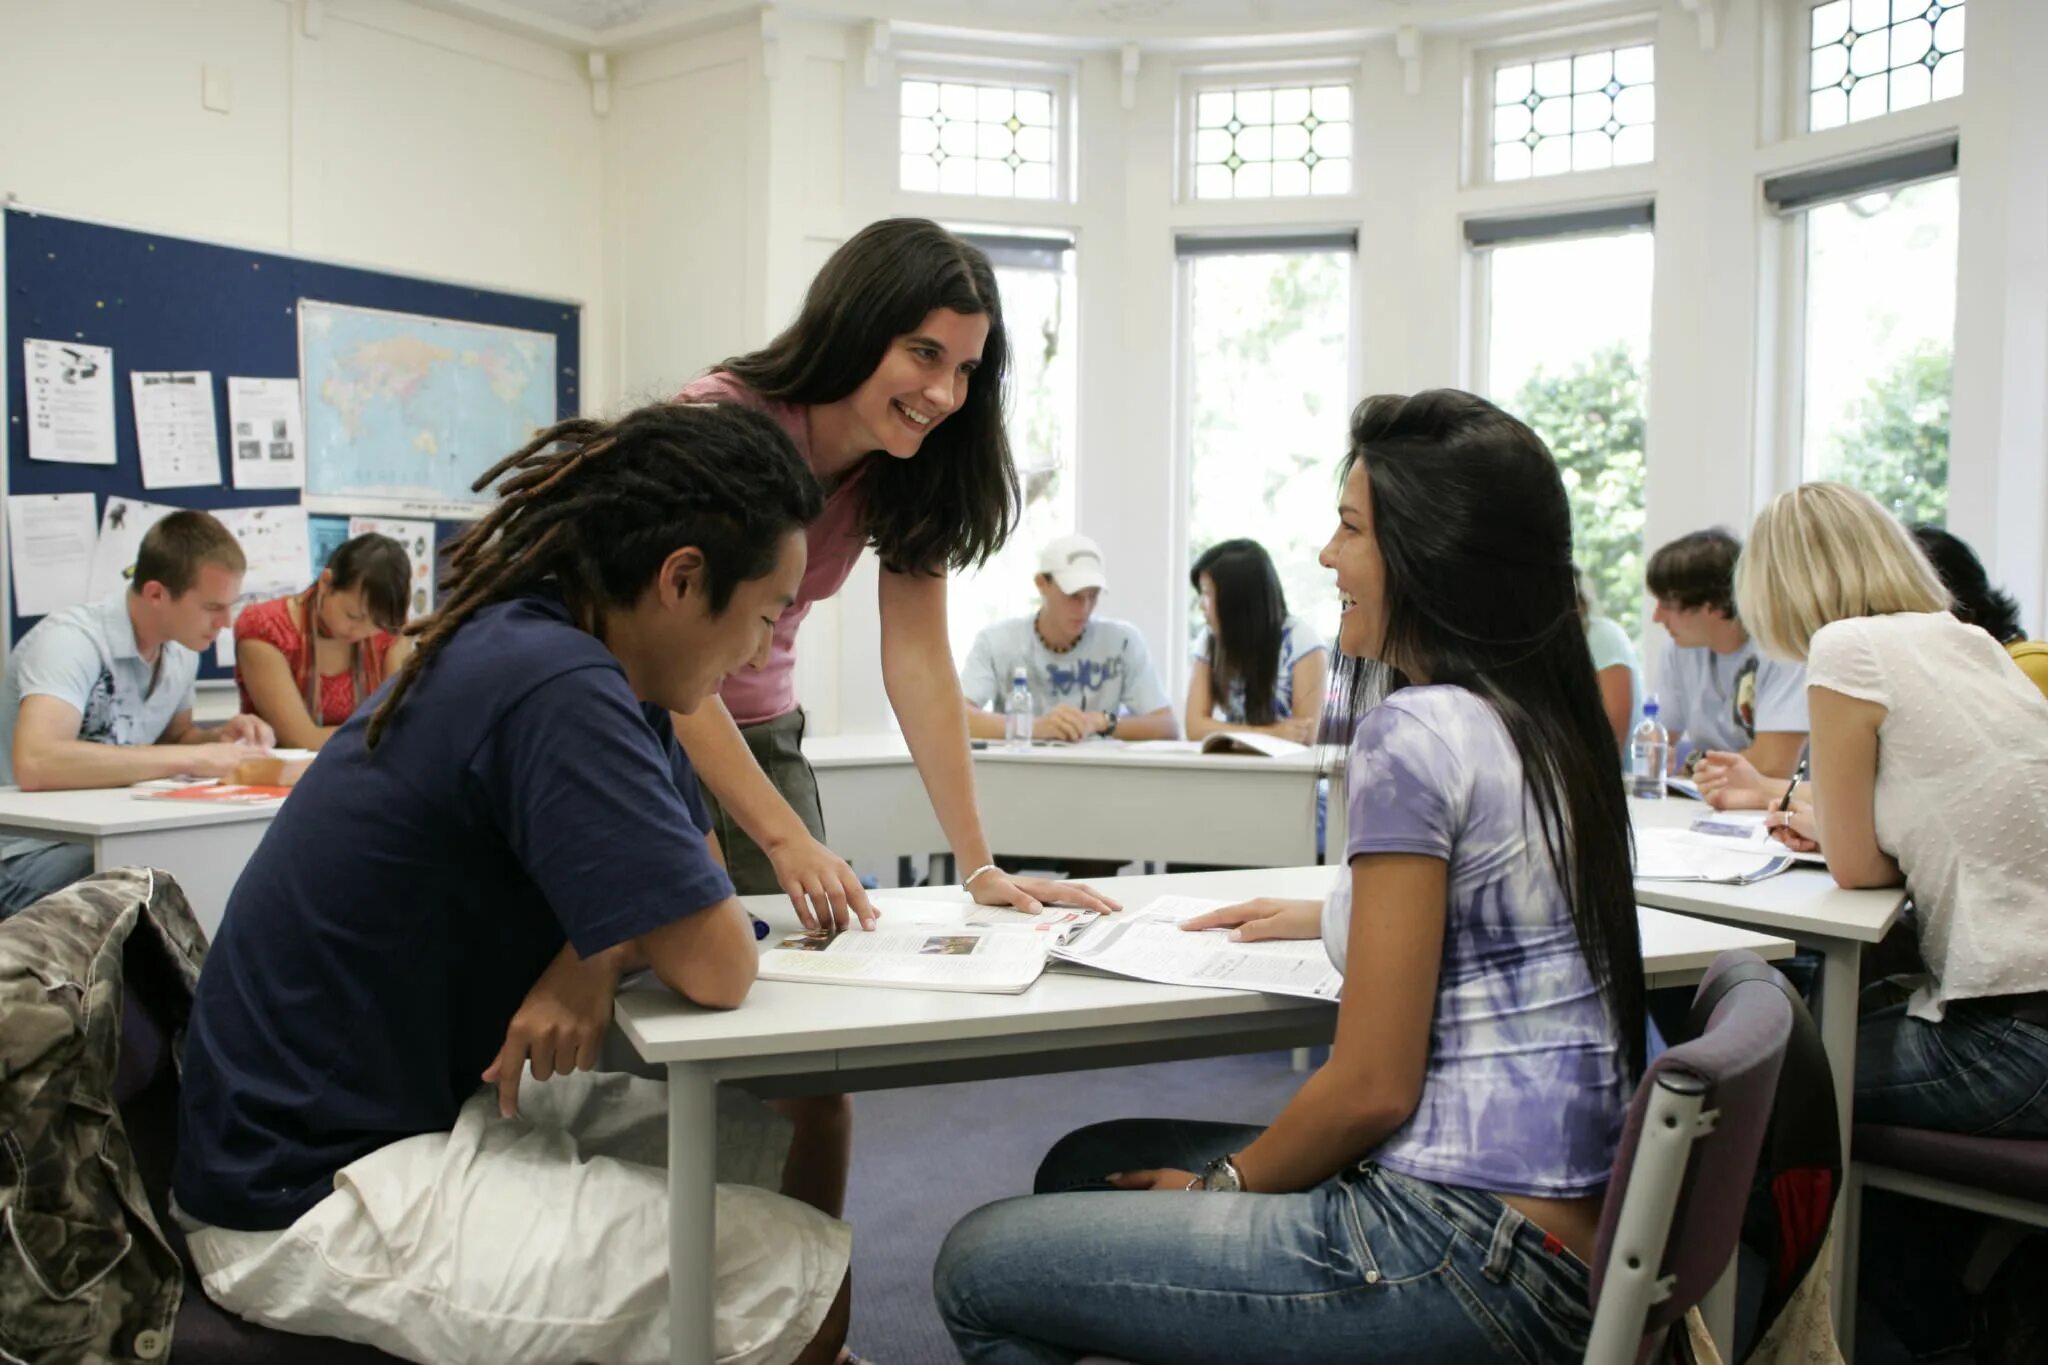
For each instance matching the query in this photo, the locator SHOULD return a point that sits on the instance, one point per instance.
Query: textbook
(1148, 944)
(929, 946)
(217, 793)
(1251, 742)
(1674, 855)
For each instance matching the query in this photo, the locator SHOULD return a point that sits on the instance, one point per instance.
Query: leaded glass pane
(1868, 58)
(1273, 142)
(1574, 113)
(992, 140)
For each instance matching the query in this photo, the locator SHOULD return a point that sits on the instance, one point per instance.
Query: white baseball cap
(1075, 563)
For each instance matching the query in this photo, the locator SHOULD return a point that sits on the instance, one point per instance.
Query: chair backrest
(1682, 1175)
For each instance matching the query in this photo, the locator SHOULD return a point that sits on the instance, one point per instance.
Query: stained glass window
(1873, 57)
(979, 139)
(1584, 112)
(1273, 142)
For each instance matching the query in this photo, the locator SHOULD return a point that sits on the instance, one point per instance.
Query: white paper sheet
(1148, 943)
(113, 557)
(70, 401)
(274, 541)
(174, 428)
(266, 433)
(51, 536)
(418, 539)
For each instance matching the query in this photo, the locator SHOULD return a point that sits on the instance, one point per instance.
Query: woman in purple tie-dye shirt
(1433, 1192)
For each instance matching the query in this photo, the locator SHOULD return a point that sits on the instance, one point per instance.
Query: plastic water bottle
(1649, 749)
(1018, 712)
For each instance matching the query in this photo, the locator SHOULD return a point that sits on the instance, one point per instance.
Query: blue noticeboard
(171, 303)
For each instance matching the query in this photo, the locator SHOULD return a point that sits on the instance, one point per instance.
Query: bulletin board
(173, 303)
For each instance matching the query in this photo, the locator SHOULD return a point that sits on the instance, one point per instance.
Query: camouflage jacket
(85, 1272)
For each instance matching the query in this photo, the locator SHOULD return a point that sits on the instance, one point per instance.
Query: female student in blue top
(448, 900)
(890, 382)
(1256, 667)
(1433, 1192)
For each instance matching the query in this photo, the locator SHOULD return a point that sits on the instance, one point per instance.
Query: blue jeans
(1975, 1072)
(28, 877)
(1369, 1265)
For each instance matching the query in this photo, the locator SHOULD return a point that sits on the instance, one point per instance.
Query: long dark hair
(1977, 603)
(1476, 535)
(596, 507)
(1251, 610)
(379, 566)
(956, 501)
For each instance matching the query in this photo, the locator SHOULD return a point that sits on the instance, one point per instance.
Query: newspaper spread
(1149, 944)
(929, 945)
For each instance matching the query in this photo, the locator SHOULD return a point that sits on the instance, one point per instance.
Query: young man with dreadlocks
(450, 896)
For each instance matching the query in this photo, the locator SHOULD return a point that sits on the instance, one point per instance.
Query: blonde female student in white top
(1928, 749)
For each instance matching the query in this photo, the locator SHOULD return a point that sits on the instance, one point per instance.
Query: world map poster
(405, 412)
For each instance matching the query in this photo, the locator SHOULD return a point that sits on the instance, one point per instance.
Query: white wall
(397, 138)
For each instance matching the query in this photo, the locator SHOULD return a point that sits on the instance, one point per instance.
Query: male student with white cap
(1089, 675)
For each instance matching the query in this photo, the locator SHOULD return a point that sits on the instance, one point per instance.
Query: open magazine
(1148, 943)
(929, 946)
(1676, 855)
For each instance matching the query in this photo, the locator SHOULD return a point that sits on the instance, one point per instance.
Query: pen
(1798, 776)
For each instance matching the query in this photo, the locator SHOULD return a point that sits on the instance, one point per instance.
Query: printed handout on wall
(266, 433)
(418, 539)
(113, 558)
(70, 401)
(52, 550)
(273, 541)
(174, 428)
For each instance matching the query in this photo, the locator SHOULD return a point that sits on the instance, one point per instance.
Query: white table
(203, 846)
(797, 1038)
(1132, 801)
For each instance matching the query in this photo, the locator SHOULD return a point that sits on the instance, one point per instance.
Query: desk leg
(692, 1203)
(1841, 966)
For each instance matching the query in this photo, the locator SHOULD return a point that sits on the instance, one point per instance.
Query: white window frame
(1182, 492)
(1487, 59)
(1479, 273)
(1196, 81)
(1794, 111)
(966, 69)
(1783, 465)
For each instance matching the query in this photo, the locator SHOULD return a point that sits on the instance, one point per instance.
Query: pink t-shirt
(835, 541)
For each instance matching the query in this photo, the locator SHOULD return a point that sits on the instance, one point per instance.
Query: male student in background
(100, 695)
(1089, 675)
(1715, 691)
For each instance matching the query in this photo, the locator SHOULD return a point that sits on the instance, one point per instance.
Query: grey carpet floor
(924, 1158)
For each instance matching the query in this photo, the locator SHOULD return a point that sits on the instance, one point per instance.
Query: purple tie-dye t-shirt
(1524, 1091)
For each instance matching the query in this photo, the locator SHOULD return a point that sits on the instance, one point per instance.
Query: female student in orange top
(307, 680)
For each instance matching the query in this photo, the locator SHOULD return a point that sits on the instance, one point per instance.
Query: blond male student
(100, 695)
(1089, 674)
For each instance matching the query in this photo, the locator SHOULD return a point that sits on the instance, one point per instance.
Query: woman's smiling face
(921, 381)
(1354, 554)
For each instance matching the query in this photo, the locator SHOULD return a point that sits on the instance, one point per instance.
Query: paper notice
(266, 433)
(113, 556)
(174, 428)
(273, 541)
(418, 539)
(51, 535)
(70, 401)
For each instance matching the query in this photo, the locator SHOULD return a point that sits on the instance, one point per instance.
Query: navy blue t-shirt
(404, 901)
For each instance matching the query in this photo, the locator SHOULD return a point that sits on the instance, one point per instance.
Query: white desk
(1135, 801)
(1804, 904)
(204, 847)
(797, 1038)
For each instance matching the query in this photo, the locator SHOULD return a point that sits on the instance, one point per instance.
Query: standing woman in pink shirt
(890, 383)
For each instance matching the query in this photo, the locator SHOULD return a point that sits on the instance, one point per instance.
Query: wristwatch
(1221, 1176)
(1109, 726)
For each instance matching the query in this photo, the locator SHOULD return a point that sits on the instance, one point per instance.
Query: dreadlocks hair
(596, 507)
